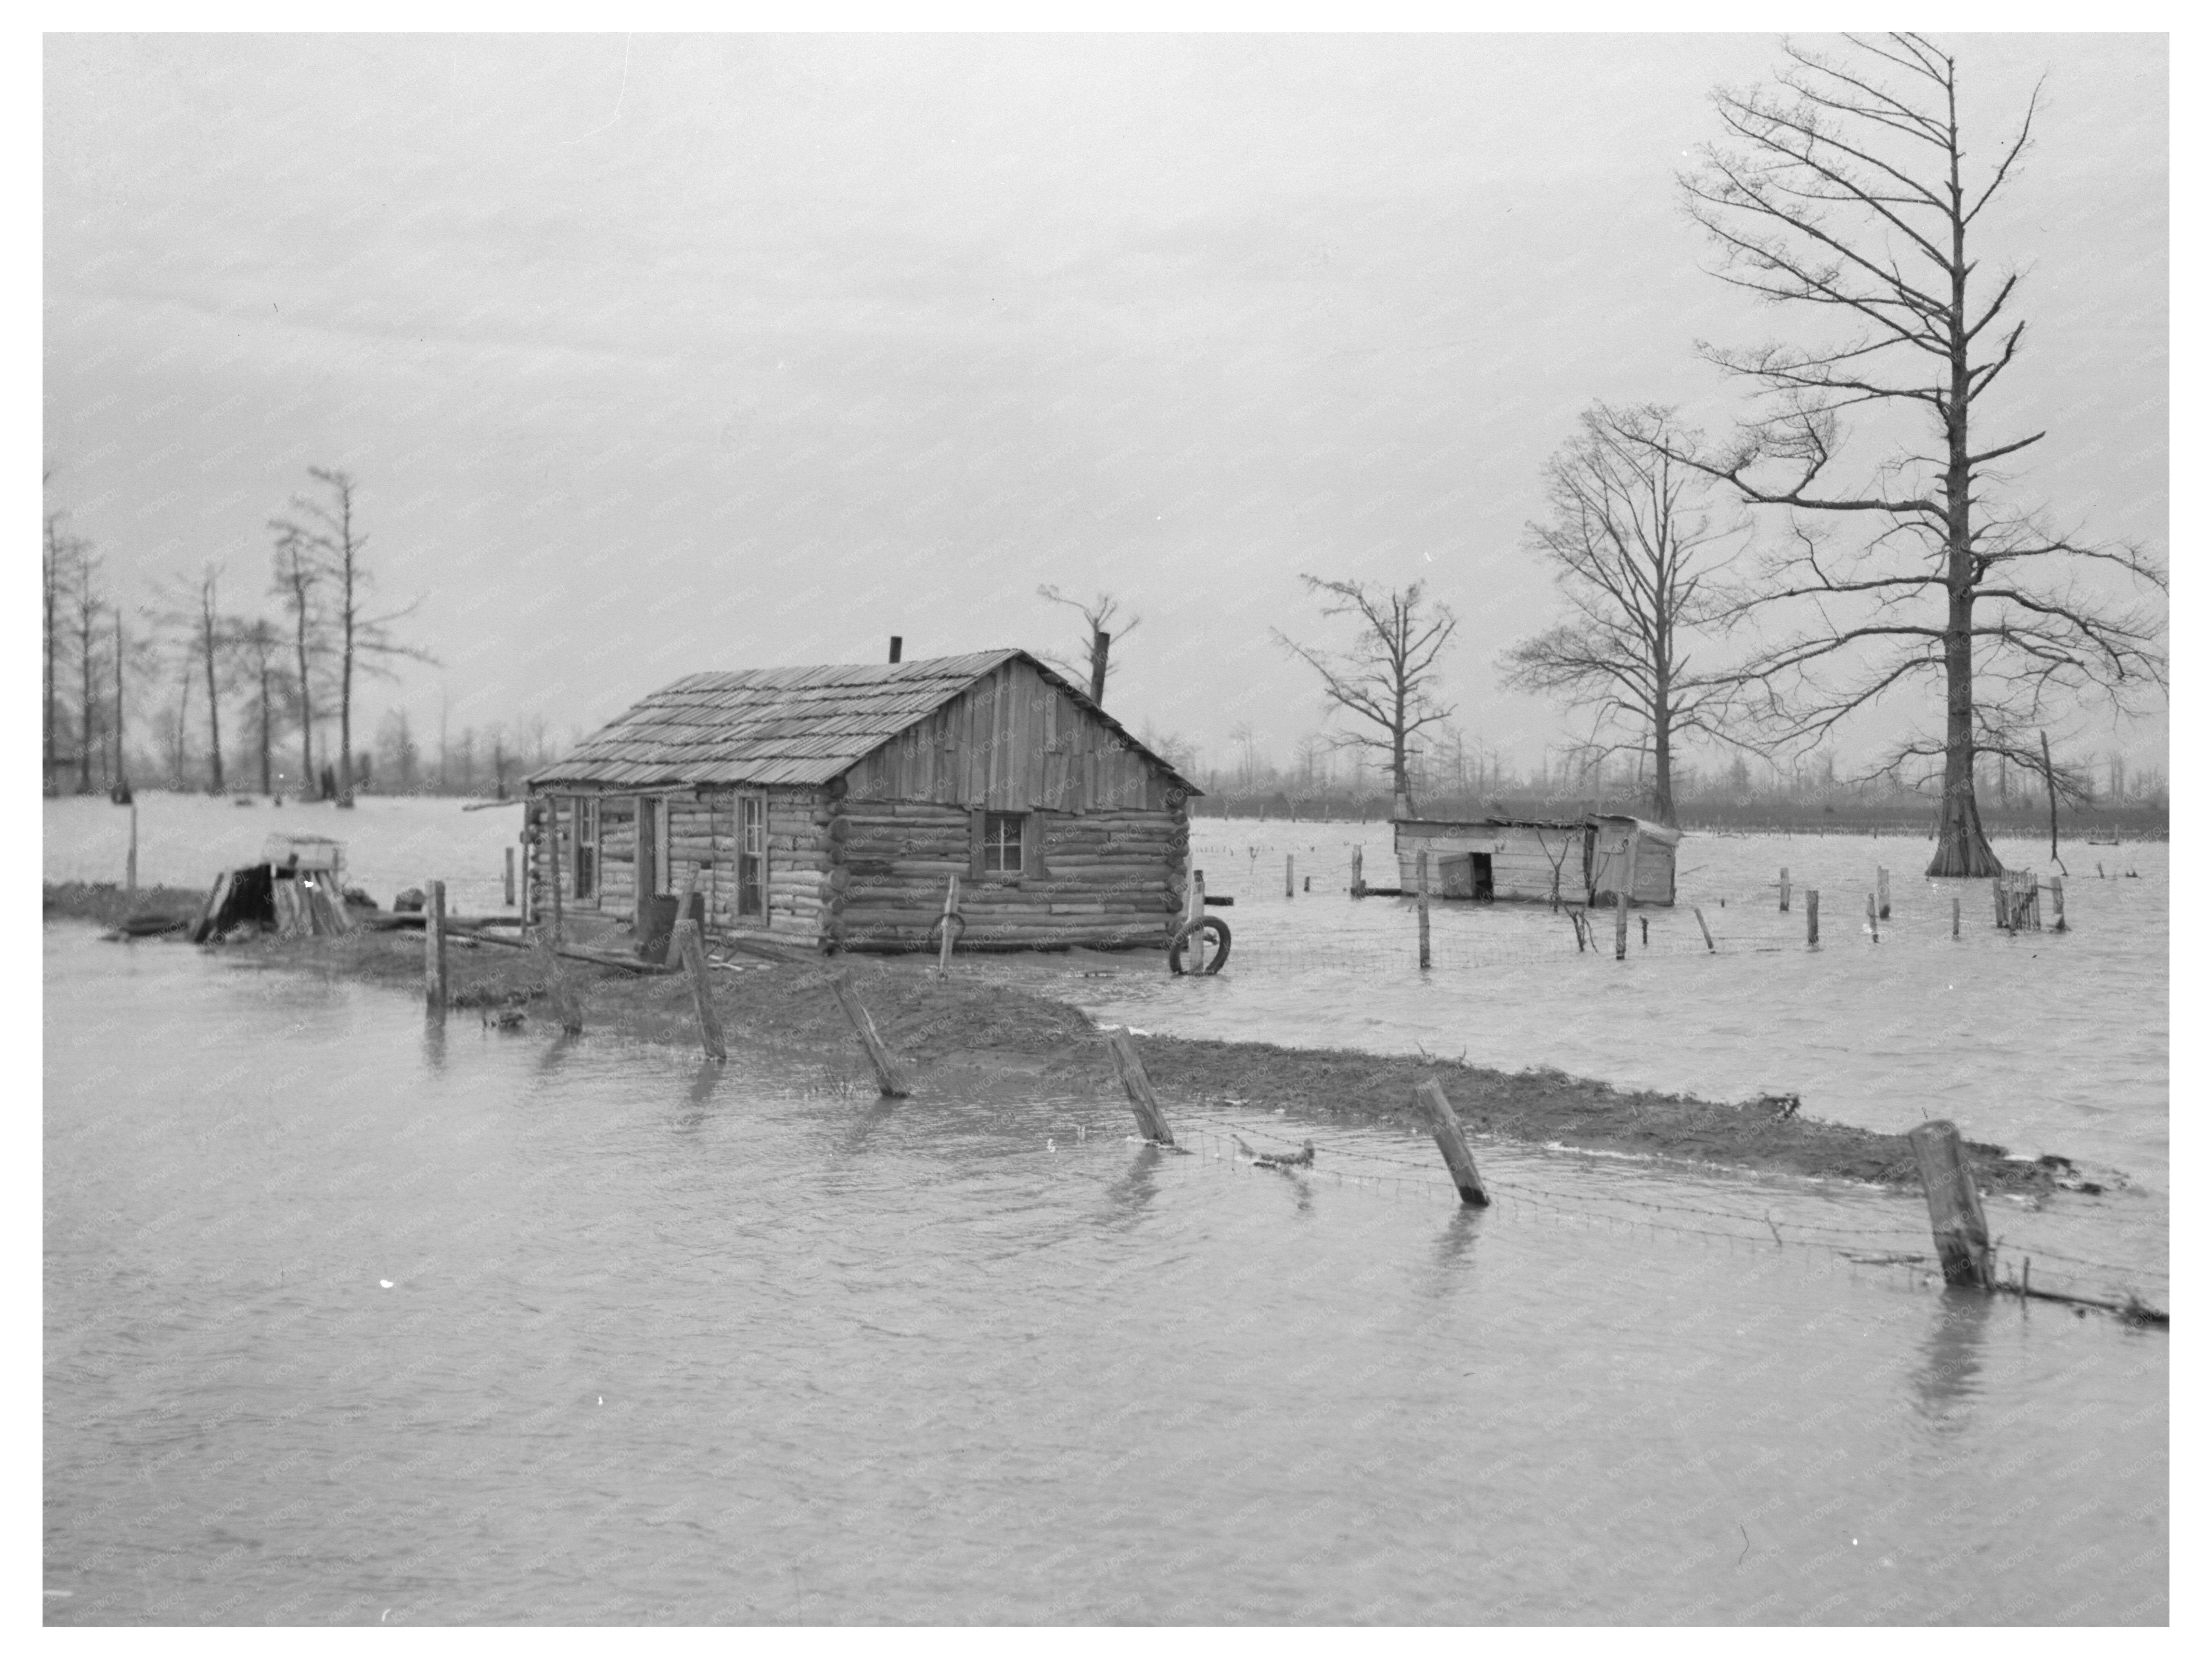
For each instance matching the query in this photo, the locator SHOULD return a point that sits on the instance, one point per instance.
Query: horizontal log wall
(1108, 878)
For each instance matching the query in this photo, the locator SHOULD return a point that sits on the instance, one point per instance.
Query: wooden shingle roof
(783, 726)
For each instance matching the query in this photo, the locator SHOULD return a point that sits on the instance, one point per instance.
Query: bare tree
(1385, 681)
(1098, 613)
(1631, 550)
(61, 555)
(1837, 192)
(84, 628)
(273, 699)
(326, 535)
(298, 581)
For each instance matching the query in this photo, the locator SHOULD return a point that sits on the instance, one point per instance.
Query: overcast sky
(661, 354)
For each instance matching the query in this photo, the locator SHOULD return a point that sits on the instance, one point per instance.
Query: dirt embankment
(972, 1034)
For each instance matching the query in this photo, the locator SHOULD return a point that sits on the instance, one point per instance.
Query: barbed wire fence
(1221, 1146)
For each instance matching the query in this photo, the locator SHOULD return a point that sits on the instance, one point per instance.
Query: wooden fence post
(1874, 921)
(1812, 915)
(889, 1077)
(1358, 879)
(945, 946)
(2058, 904)
(434, 946)
(1451, 1140)
(1620, 926)
(1954, 915)
(1289, 875)
(567, 1006)
(131, 860)
(1144, 1104)
(1881, 889)
(671, 955)
(1702, 928)
(1954, 1208)
(510, 877)
(693, 950)
(1785, 887)
(1421, 901)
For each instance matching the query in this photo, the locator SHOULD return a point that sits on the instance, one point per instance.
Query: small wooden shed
(828, 806)
(1582, 861)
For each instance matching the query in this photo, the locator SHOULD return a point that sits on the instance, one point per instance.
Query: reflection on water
(1944, 1382)
(389, 1329)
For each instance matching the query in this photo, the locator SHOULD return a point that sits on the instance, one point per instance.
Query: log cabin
(828, 806)
(1584, 861)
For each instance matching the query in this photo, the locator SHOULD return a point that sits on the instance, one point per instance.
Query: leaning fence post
(1954, 1208)
(567, 1006)
(1144, 1104)
(952, 905)
(1882, 891)
(694, 953)
(889, 1077)
(1421, 903)
(434, 946)
(1785, 887)
(1620, 926)
(1451, 1140)
(1702, 928)
(1812, 915)
(2058, 904)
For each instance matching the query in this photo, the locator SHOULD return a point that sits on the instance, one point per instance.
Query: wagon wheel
(1213, 925)
(959, 926)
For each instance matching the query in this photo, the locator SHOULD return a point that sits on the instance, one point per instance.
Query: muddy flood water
(352, 1319)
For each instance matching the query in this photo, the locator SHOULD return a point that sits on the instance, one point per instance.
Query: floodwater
(2042, 1042)
(349, 1320)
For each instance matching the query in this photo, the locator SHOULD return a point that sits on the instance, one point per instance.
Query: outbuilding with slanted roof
(831, 806)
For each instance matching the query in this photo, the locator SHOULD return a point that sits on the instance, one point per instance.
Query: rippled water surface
(349, 1321)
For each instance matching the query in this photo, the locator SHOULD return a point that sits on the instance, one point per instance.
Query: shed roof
(785, 726)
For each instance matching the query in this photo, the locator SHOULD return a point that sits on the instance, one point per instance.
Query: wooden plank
(1143, 1101)
(1702, 928)
(1812, 915)
(1954, 1207)
(1436, 1112)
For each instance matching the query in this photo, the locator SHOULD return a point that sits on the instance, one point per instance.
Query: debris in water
(385, 1283)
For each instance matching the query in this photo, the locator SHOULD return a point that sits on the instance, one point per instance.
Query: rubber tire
(959, 922)
(1211, 924)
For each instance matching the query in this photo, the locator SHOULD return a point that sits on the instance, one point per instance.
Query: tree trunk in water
(1961, 849)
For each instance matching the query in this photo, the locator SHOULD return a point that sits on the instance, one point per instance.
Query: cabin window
(752, 856)
(585, 845)
(1002, 843)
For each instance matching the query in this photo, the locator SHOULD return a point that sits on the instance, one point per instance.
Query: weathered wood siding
(1013, 744)
(1611, 859)
(1522, 858)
